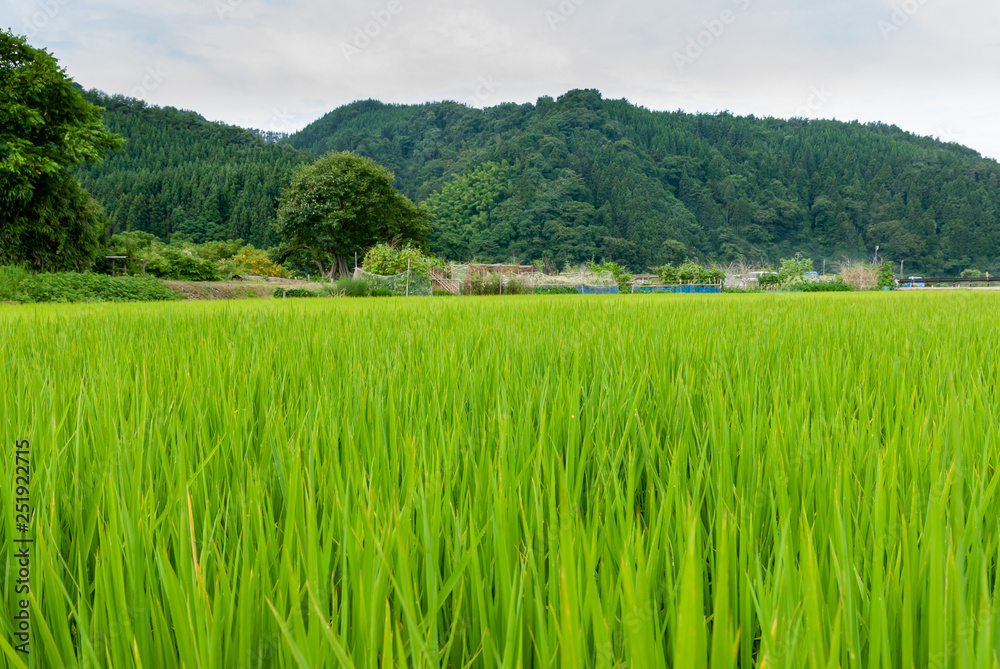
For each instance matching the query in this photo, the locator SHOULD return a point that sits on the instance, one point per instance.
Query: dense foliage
(498, 284)
(835, 286)
(181, 177)
(46, 130)
(578, 179)
(20, 285)
(294, 292)
(690, 272)
(385, 259)
(581, 178)
(620, 275)
(794, 270)
(344, 204)
(185, 261)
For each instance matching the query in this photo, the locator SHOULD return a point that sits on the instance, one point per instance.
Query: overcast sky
(928, 66)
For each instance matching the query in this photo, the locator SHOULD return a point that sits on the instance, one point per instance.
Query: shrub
(184, 265)
(516, 286)
(387, 260)
(487, 286)
(859, 276)
(691, 272)
(837, 285)
(381, 291)
(13, 283)
(184, 261)
(256, 262)
(793, 271)
(352, 287)
(768, 280)
(294, 292)
(622, 277)
(19, 285)
(688, 271)
(886, 279)
(556, 290)
(496, 284)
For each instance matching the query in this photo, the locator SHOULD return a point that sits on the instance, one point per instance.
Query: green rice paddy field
(641, 481)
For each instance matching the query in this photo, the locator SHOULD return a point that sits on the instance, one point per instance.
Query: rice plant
(641, 481)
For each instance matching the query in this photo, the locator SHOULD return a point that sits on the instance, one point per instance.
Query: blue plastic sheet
(678, 289)
(598, 290)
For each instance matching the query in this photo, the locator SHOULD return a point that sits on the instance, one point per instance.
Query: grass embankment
(684, 481)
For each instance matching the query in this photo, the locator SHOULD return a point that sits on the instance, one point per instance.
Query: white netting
(406, 284)
(503, 280)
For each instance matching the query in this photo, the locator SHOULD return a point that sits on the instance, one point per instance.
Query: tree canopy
(344, 204)
(182, 177)
(46, 129)
(581, 178)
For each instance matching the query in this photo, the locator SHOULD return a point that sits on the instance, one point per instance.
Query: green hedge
(20, 285)
(835, 286)
(556, 290)
(294, 292)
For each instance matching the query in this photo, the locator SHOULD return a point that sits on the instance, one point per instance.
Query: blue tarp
(598, 290)
(678, 289)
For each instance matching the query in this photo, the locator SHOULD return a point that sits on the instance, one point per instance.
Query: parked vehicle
(914, 282)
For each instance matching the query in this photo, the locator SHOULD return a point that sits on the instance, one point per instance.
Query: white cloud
(932, 71)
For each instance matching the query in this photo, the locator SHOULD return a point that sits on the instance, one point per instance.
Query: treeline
(181, 177)
(577, 179)
(582, 177)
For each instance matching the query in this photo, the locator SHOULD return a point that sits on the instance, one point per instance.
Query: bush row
(20, 285)
(345, 287)
(184, 261)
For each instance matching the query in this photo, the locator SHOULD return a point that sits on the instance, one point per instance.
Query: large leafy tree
(46, 129)
(344, 204)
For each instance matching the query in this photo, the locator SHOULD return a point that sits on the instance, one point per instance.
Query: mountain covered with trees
(578, 178)
(180, 176)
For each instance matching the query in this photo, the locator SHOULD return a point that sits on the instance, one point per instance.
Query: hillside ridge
(582, 177)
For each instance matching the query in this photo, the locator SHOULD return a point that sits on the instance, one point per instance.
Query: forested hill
(582, 177)
(180, 175)
(579, 178)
